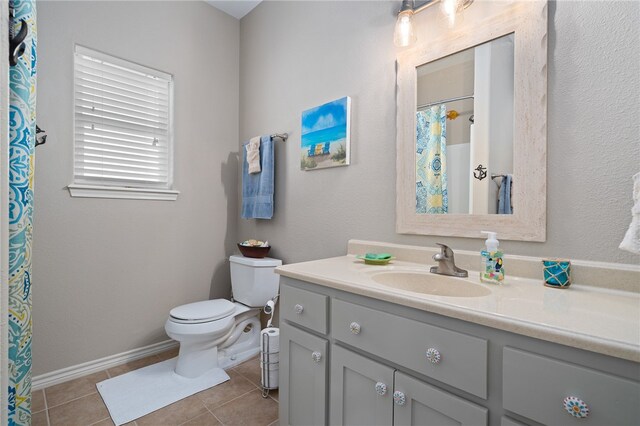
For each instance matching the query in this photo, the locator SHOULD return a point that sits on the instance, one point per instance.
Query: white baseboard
(69, 373)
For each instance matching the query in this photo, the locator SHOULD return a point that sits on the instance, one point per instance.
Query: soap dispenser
(491, 262)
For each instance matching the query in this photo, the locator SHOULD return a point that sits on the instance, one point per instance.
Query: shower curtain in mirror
(431, 160)
(22, 123)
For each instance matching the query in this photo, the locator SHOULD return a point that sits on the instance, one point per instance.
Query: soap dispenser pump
(491, 260)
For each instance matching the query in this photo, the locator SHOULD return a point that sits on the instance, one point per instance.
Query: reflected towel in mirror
(504, 195)
(631, 241)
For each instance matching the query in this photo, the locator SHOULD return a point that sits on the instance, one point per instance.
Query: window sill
(93, 191)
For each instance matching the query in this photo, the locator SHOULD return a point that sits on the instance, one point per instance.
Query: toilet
(221, 333)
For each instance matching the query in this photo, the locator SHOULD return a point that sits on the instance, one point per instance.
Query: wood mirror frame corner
(528, 21)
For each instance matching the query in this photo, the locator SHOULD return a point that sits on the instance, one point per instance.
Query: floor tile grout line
(248, 379)
(46, 407)
(215, 417)
(74, 399)
(206, 410)
(257, 386)
(44, 397)
(230, 401)
(101, 420)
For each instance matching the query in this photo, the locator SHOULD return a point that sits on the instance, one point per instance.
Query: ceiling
(235, 8)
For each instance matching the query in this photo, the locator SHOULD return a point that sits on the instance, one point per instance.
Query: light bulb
(450, 8)
(403, 35)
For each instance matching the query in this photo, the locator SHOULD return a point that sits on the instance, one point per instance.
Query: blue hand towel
(257, 188)
(504, 196)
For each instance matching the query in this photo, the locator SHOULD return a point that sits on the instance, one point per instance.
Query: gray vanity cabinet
(347, 359)
(303, 377)
(363, 392)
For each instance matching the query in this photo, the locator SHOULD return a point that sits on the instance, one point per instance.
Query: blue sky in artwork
(325, 116)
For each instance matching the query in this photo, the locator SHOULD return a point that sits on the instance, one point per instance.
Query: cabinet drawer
(304, 307)
(536, 387)
(459, 360)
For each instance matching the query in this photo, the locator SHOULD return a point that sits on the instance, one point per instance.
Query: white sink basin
(428, 283)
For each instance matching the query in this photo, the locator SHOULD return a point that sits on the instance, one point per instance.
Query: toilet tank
(254, 281)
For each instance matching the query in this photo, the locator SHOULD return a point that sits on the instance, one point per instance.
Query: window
(123, 129)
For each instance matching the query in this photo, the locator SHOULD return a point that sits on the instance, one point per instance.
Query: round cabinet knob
(576, 407)
(355, 328)
(381, 388)
(298, 308)
(399, 398)
(433, 355)
(316, 356)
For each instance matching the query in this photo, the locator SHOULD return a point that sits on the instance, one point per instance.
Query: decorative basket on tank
(254, 248)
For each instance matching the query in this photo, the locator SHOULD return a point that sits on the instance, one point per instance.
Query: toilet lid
(207, 310)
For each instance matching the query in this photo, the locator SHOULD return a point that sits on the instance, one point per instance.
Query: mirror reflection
(465, 126)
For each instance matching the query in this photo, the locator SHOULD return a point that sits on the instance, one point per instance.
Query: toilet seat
(202, 312)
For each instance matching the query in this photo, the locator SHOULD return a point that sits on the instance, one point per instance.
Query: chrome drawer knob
(355, 328)
(298, 308)
(399, 398)
(433, 355)
(381, 388)
(576, 407)
(316, 356)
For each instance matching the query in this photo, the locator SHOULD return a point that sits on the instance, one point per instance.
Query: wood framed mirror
(495, 111)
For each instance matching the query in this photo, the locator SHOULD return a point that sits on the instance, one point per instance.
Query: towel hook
(16, 44)
(41, 136)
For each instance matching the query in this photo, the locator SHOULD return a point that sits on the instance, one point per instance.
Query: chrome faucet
(446, 264)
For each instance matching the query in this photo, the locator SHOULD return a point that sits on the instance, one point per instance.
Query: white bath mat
(140, 392)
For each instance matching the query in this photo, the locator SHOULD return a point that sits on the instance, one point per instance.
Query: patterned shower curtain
(431, 160)
(22, 122)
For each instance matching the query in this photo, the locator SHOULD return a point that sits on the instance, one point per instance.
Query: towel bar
(282, 136)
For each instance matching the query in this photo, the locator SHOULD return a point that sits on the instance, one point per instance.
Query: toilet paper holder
(269, 351)
(269, 359)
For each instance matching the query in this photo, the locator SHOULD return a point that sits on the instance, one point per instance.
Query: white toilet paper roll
(269, 357)
(273, 380)
(273, 334)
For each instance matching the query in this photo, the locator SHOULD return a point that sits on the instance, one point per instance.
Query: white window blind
(123, 129)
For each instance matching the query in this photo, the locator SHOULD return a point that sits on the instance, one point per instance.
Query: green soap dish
(376, 258)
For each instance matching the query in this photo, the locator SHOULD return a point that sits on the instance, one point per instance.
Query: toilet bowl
(220, 333)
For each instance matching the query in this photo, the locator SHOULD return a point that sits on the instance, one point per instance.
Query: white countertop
(596, 319)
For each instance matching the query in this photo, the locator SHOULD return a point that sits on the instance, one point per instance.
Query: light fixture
(450, 9)
(404, 34)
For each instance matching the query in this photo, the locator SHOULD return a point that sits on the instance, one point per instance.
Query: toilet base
(238, 346)
(193, 363)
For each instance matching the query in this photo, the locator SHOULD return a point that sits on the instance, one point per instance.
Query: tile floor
(235, 402)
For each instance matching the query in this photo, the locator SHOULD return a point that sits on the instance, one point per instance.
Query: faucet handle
(445, 250)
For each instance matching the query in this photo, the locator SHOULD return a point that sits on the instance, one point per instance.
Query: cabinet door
(417, 403)
(361, 390)
(303, 377)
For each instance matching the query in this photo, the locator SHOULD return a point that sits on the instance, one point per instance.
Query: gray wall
(296, 55)
(106, 272)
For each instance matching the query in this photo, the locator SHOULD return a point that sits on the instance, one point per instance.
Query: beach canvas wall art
(325, 135)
